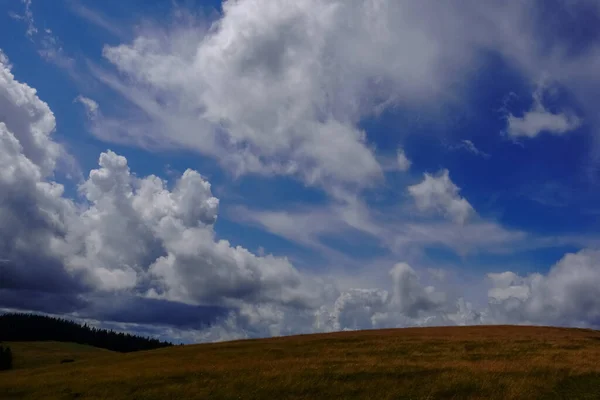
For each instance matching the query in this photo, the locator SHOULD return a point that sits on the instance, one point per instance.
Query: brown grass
(39, 354)
(499, 362)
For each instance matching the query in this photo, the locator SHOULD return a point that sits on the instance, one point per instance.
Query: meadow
(482, 362)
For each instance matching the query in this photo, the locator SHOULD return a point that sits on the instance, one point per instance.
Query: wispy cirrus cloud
(469, 146)
(97, 18)
(49, 45)
(27, 17)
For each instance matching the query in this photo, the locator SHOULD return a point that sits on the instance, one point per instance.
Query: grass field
(40, 354)
(500, 362)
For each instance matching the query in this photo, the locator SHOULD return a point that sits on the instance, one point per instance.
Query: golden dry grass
(499, 362)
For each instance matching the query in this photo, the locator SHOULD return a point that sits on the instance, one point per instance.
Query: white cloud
(28, 18)
(470, 147)
(408, 304)
(439, 194)
(138, 234)
(301, 226)
(567, 295)
(49, 45)
(30, 119)
(409, 296)
(358, 309)
(262, 98)
(475, 237)
(308, 226)
(52, 51)
(274, 88)
(136, 237)
(96, 18)
(91, 106)
(271, 127)
(32, 211)
(398, 229)
(403, 162)
(539, 120)
(133, 234)
(302, 82)
(5, 61)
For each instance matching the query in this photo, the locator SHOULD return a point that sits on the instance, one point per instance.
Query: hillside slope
(41, 354)
(500, 362)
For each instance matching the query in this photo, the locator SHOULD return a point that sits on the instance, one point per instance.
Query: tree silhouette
(32, 327)
(5, 358)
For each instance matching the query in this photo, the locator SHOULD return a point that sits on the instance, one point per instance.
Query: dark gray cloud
(138, 310)
(41, 301)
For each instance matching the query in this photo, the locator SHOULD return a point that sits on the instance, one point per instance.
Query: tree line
(31, 327)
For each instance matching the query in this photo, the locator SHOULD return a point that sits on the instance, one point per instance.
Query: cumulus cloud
(132, 236)
(139, 235)
(30, 120)
(32, 211)
(5, 61)
(568, 295)
(406, 303)
(539, 120)
(439, 194)
(409, 303)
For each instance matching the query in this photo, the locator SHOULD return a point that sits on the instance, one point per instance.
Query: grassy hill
(500, 362)
(41, 354)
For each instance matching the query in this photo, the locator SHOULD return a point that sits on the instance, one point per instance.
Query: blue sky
(364, 155)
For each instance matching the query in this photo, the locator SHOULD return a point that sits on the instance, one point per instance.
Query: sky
(205, 171)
